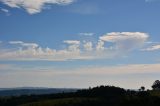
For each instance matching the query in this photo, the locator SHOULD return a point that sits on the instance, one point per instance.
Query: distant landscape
(96, 96)
(32, 91)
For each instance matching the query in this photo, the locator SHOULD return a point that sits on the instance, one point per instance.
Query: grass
(155, 93)
(63, 102)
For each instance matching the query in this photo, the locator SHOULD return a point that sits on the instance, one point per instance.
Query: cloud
(76, 42)
(121, 36)
(109, 45)
(32, 51)
(90, 8)
(5, 66)
(120, 69)
(15, 42)
(152, 48)
(34, 6)
(151, 0)
(29, 45)
(73, 45)
(86, 34)
(119, 75)
(88, 46)
(91, 70)
(125, 40)
(6, 11)
(100, 45)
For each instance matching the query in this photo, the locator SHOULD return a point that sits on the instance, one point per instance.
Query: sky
(79, 43)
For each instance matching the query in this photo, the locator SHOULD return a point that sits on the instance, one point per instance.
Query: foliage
(156, 85)
(97, 96)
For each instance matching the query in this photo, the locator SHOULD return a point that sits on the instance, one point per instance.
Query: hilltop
(97, 96)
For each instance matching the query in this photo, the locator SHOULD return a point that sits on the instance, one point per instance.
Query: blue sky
(79, 43)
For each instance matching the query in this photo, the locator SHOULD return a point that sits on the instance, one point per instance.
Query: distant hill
(97, 96)
(33, 91)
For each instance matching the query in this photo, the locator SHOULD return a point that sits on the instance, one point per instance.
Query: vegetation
(30, 90)
(156, 85)
(97, 96)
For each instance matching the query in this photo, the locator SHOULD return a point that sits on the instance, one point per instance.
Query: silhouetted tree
(156, 85)
(142, 88)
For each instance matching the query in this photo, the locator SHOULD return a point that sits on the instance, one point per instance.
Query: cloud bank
(109, 45)
(34, 6)
(131, 75)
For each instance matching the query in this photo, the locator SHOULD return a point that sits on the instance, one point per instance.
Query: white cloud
(73, 45)
(152, 48)
(86, 34)
(15, 42)
(32, 51)
(121, 43)
(100, 45)
(121, 36)
(92, 70)
(5, 10)
(151, 0)
(76, 42)
(120, 69)
(33, 45)
(88, 46)
(120, 75)
(125, 40)
(29, 45)
(34, 6)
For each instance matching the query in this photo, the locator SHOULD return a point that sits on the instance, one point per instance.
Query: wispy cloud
(89, 70)
(121, 43)
(6, 11)
(152, 48)
(119, 75)
(86, 34)
(34, 6)
(5, 66)
(85, 8)
(76, 42)
(151, 0)
(29, 45)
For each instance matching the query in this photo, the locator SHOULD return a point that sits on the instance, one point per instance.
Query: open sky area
(79, 43)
